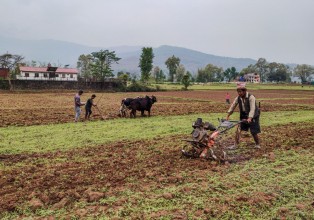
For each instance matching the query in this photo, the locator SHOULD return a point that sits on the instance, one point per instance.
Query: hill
(61, 53)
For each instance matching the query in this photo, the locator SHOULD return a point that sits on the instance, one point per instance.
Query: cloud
(277, 30)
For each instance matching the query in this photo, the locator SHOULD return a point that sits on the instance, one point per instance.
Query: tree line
(97, 65)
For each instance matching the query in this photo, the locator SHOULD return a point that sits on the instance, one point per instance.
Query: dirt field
(64, 179)
(50, 108)
(62, 184)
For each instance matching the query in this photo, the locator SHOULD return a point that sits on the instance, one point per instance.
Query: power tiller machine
(204, 142)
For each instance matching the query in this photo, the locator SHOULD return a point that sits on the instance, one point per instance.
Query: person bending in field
(88, 107)
(249, 112)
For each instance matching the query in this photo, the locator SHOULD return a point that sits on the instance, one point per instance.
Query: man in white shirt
(77, 105)
(248, 111)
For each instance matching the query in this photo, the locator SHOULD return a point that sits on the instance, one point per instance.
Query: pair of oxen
(136, 104)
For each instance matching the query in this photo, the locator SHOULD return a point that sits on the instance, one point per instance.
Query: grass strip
(45, 138)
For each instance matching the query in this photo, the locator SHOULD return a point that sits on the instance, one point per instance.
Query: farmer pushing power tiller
(203, 145)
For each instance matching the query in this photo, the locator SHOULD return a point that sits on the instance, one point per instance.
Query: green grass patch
(45, 138)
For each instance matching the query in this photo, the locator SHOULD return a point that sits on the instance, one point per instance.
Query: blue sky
(278, 30)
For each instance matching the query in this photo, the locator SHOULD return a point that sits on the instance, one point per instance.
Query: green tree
(11, 62)
(180, 72)
(146, 63)
(262, 68)
(156, 70)
(158, 74)
(186, 82)
(120, 73)
(192, 79)
(211, 73)
(172, 64)
(303, 71)
(84, 66)
(101, 65)
(278, 72)
(230, 73)
(160, 77)
(124, 76)
(249, 69)
(201, 76)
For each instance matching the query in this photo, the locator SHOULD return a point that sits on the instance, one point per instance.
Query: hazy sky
(278, 30)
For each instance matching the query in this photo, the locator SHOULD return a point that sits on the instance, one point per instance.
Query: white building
(297, 79)
(47, 73)
(252, 78)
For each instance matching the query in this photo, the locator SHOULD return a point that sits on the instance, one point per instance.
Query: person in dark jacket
(88, 106)
(248, 111)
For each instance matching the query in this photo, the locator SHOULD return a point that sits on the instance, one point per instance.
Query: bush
(138, 87)
(4, 84)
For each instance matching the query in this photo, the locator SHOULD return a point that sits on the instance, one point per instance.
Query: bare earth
(49, 108)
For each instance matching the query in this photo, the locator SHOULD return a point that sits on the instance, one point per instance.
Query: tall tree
(158, 74)
(262, 68)
(211, 73)
(201, 76)
(172, 64)
(303, 71)
(101, 65)
(249, 69)
(11, 62)
(84, 66)
(146, 63)
(230, 73)
(278, 72)
(160, 77)
(180, 72)
(156, 70)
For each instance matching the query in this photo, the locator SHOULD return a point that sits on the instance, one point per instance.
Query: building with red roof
(47, 73)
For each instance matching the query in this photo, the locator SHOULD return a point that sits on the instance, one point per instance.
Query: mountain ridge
(67, 53)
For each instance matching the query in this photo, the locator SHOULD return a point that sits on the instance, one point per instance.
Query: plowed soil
(59, 179)
(50, 108)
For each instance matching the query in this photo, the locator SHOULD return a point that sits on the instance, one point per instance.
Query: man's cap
(94, 96)
(240, 85)
(81, 91)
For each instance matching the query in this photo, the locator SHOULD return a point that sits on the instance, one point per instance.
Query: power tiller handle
(245, 120)
(233, 121)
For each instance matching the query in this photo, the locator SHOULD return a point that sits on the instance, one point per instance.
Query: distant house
(47, 73)
(297, 79)
(4, 73)
(252, 78)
